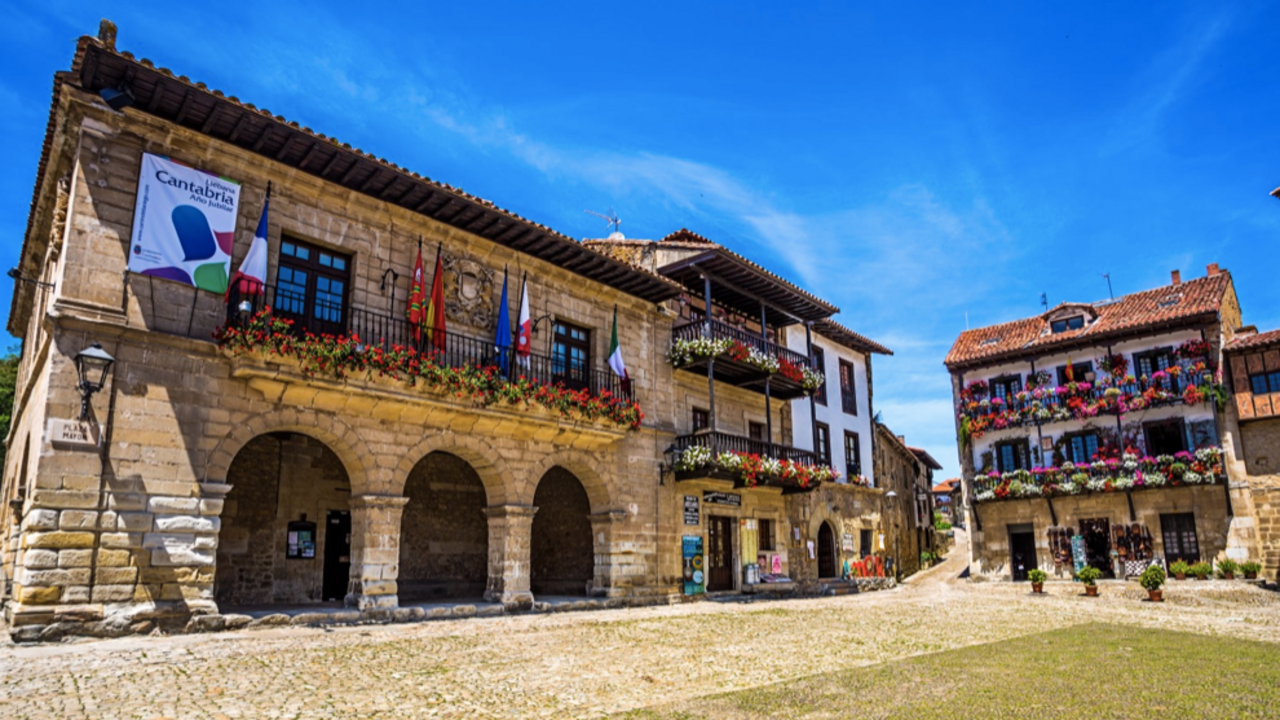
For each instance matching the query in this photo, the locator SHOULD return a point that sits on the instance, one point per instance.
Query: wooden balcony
(718, 442)
(741, 372)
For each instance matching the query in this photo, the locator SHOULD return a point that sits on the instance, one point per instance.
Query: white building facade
(841, 411)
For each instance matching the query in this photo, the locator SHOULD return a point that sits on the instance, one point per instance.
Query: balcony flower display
(1191, 382)
(1128, 472)
(686, 351)
(752, 469)
(341, 356)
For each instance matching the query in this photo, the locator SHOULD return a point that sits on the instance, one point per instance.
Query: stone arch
(337, 435)
(444, 532)
(562, 556)
(828, 551)
(581, 465)
(284, 529)
(479, 454)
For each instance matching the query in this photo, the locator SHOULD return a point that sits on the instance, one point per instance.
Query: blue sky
(911, 166)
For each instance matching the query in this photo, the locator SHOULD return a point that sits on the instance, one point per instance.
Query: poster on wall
(693, 566)
(184, 224)
(846, 543)
(691, 510)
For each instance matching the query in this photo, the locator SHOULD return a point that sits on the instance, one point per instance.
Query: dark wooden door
(719, 553)
(1022, 554)
(1097, 544)
(827, 565)
(337, 554)
(1179, 534)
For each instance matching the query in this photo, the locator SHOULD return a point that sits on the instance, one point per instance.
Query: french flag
(524, 330)
(251, 278)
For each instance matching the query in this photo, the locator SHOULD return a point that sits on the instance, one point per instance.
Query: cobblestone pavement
(575, 664)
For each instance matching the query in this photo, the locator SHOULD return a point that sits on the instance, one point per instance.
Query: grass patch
(1096, 671)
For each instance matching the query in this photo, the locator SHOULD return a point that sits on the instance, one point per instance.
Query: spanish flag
(434, 320)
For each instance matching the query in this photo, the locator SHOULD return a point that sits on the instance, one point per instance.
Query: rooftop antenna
(1044, 301)
(611, 219)
(1109, 290)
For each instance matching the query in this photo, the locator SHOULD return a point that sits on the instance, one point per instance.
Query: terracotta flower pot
(1091, 590)
(1251, 576)
(1037, 587)
(1228, 576)
(1155, 595)
(1181, 576)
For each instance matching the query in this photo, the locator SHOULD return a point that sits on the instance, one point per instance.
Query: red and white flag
(524, 328)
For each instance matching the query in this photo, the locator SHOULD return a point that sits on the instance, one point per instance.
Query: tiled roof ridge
(1254, 340)
(1015, 336)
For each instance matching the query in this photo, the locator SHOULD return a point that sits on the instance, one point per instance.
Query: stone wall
(444, 536)
(850, 510)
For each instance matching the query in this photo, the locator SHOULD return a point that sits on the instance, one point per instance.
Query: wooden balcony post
(813, 405)
(768, 410)
(711, 362)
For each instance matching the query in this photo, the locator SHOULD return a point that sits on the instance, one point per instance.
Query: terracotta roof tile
(1169, 304)
(1254, 340)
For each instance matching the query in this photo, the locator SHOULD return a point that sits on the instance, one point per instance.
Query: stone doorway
(561, 554)
(444, 536)
(827, 565)
(273, 536)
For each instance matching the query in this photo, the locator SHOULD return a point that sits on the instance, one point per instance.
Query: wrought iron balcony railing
(455, 350)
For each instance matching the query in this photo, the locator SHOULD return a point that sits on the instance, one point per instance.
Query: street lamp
(92, 365)
(892, 497)
(668, 464)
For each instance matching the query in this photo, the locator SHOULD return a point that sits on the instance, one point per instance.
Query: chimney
(1177, 277)
(1213, 269)
(902, 439)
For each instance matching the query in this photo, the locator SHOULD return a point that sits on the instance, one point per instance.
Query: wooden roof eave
(715, 265)
(191, 105)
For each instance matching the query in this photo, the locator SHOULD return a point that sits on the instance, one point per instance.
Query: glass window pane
(326, 259)
(339, 263)
(303, 253)
(286, 248)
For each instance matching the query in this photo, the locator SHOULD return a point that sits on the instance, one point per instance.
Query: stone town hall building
(268, 467)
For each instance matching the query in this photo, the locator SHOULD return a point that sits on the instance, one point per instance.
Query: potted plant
(1202, 570)
(1180, 569)
(1151, 580)
(1037, 578)
(1089, 575)
(1250, 570)
(1227, 569)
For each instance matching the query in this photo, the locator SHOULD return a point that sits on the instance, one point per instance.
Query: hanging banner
(184, 224)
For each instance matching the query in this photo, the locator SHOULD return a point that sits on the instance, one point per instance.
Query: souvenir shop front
(1118, 533)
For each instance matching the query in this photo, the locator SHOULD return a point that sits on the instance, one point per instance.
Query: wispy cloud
(1165, 81)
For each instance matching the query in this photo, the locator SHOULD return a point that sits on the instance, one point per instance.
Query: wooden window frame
(1066, 324)
(757, 431)
(1270, 382)
(1079, 377)
(1154, 356)
(848, 390)
(1068, 437)
(1024, 443)
(563, 370)
(314, 270)
(1182, 433)
(1010, 384)
(694, 414)
(820, 362)
(766, 538)
(821, 446)
(852, 466)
